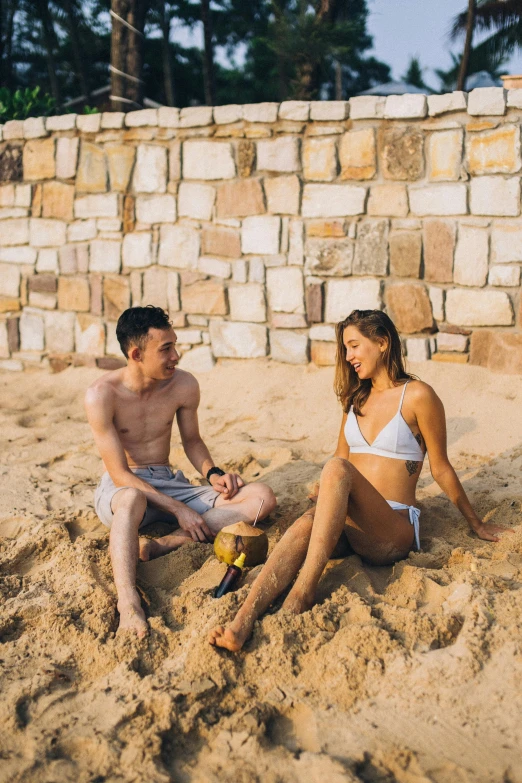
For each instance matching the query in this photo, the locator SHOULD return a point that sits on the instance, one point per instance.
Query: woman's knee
(337, 469)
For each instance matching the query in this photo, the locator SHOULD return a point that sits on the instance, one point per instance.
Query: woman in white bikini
(390, 420)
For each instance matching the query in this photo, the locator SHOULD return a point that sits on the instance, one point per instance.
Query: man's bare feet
(150, 548)
(232, 640)
(132, 617)
(296, 602)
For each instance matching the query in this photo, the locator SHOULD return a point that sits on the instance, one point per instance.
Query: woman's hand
(487, 532)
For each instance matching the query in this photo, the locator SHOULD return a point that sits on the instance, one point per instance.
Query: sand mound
(409, 674)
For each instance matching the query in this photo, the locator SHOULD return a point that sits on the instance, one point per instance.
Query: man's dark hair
(134, 324)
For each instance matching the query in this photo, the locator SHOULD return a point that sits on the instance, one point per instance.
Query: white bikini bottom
(414, 518)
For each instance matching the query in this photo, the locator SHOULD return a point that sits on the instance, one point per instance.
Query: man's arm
(99, 405)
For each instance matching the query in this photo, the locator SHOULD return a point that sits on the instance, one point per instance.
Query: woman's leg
(280, 569)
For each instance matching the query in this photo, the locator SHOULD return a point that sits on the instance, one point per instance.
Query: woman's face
(363, 354)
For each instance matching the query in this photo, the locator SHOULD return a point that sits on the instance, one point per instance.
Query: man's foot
(150, 548)
(132, 618)
(232, 640)
(297, 602)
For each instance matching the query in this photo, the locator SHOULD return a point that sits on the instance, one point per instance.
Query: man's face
(159, 356)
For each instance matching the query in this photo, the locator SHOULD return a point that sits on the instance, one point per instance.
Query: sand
(408, 674)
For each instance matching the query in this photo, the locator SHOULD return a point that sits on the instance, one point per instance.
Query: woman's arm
(432, 424)
(343, 449)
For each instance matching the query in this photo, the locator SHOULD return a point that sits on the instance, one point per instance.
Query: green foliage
(20, 104)
(90, 110)
(414, 73)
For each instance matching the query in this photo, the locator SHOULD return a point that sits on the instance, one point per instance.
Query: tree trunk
(81, 71)
(168, 76)
(49, 37)
(464, 63)
(208, 54)
(338, 81)
(127, 54)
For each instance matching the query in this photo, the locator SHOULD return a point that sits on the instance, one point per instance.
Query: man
(131, 412)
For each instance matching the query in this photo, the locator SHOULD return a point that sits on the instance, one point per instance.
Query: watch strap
(215, 472)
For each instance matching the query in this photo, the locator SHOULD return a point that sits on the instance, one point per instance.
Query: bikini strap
(402, 396)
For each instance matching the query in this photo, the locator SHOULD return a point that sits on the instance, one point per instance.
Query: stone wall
(260, 226)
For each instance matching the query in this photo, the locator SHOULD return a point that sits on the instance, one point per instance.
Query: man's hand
(229, 484)
(489, 532)
(194, 524)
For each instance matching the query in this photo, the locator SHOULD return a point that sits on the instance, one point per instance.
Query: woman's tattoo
(418, 438)
(412, 467)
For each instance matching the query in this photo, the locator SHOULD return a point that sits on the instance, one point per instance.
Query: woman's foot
(297, 602)
(132, 617)
(150, 548)
(231, 638)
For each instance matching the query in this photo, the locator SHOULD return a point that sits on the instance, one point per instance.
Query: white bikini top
(396, 440)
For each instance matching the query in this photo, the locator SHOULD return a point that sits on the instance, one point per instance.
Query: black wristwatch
(214, 472)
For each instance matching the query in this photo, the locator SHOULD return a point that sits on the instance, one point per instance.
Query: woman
(390, 420)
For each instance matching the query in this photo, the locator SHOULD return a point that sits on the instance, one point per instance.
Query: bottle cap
(240, 562)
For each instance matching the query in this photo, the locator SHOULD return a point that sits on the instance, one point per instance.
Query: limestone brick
(294, 110)
(196, 200)
(504, 276)
(198, 359)
(295, 243)
(409, 106)
(358, 155)
(314, 296)
(88, 123)
(174, 161)
(61, 122)
(285, 289)
(438, 199)
(105, 256)
(500, 351)
(411, 307)
(91, 176)
(405, 253)
(11, 162)
(280, 154)
(283, 194)
(288, 346)
(240, 271)
(445, 155)
(447, 341)
(260, 235)
(319, 159)
(247, 302)
(487, 100)
(38, 159)
(448, 102)
(13, 129)
(66, 157)
(32, 330)
(240, 198)
(326, 111)
(204, 296)
(81, 230)
(492, 195)
(9, 304)
(506, 243)
(34, 128)
(417, 349)
(156, 209)
(47, 260)
(437, 302)
(471, 256)
(402, 153)
(9, 280)
(208, 160)
(120, 159)
(221, 241)
(322, 354)
(150, 171)
(89, 335)
(179, 246)
(16, 255)
(23, 194)
(14, 231)
(215, 267)
(4, 341)
(7, 195)
(260, 112)
(46, 233)
(141, 118)
(116, 296)
(288, 321)
(173, 298)
(343, 296)
(367, 107)
(326, 229)
(390, 200)
(74, 294)
(329, 257)
(45, 284)
(97, 205)
(323, 333)
(478, 308)
(226, 115)
(42, 300)
(195, 116)
(112, 119)
(494, 152)
(238, 340)
(137, 249)
(168, 117)
(256, 270)
(439, 238)
(333, 200)
(59, 332)
(189, 336)
(371, 248)
(57, 200)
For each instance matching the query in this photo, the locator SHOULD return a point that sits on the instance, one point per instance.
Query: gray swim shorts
(175, 485)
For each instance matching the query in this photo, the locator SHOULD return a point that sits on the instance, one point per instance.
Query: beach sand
(409, 674)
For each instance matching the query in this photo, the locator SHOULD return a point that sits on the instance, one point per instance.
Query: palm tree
(503, 18)
(470, 27)
(128, 21)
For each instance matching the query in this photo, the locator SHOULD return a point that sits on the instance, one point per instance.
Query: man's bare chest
(138, 420)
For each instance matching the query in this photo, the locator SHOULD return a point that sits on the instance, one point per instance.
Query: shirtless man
(131, 412)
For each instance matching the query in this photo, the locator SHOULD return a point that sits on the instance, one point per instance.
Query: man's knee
(130, 500)
(336, 469)
(260, 492)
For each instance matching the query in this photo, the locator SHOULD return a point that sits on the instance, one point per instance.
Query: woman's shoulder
(420, 392)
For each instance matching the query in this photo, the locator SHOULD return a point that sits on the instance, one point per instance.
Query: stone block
(240, 271)
(208, 160)
(329, 257)
(44, 284)
(196, 200)
(205, 297)
(492, 195)
(174, 161)
(100, 205)
(417, 349)
(325, 111)
(168, 117)
(7, 195)
(156, 209)
(494, 152)
(247, 302)
(221, 241)
(13, 129)
(487, 100)
(411, 307)
(81, 230)
(13, 334)
(173, 297)
(343, 296)
(238, 340)
(91, 176)
(4, 341)
(504, 276)
(506, 243)
(323, 333)
(226, 115)
(314, 296)
(260, 112)
(141, 118)
(34, 128)
(371, 248)
(406, 107)
(15, 231)
(319, 159)
(189, 336)
(105, 256)
(88, 123)
(298, 111)
(179, 246)
(150, 171)
(239, 198)
(195, 116)
(38, 159)
(23, 194)
(74, 294)
(285, 289)
(11, 167)
(447, 341)
(61, 122)
(17, 255)
(261, 235)
(112, 120)
(333, 200)
(388, 201)
(450, 101)
(295, 243)
(155, 287)
(357, 154)
(367, 107)
(439, 238)
(137, 249)
(500, 351)
(46, 233)
(89, 334)
(288, 321)
(32, 330)
(199, 359)
(57, 200)
(256, 270)
(471, 256)
(323, 354)
(326, 229)
(437, 302)
(288, 346)
(283, 194)
(445, 155)
(116, 297)
(43, 301)
(405, 254)
(246, 155)
(514, 98)
(9, 304)
(439, 199)
(66, 157)
(402, 153)
(120, 158)
(478, 308)
(215, 267)
(10, 280)
(59, 332)
(281, 154)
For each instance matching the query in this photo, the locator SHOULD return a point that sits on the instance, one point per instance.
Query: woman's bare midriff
(390, 477)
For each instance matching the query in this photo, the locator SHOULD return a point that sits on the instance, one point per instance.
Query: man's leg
(241, 508)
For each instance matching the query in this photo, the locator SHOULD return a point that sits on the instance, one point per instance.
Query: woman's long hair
(374, 324)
